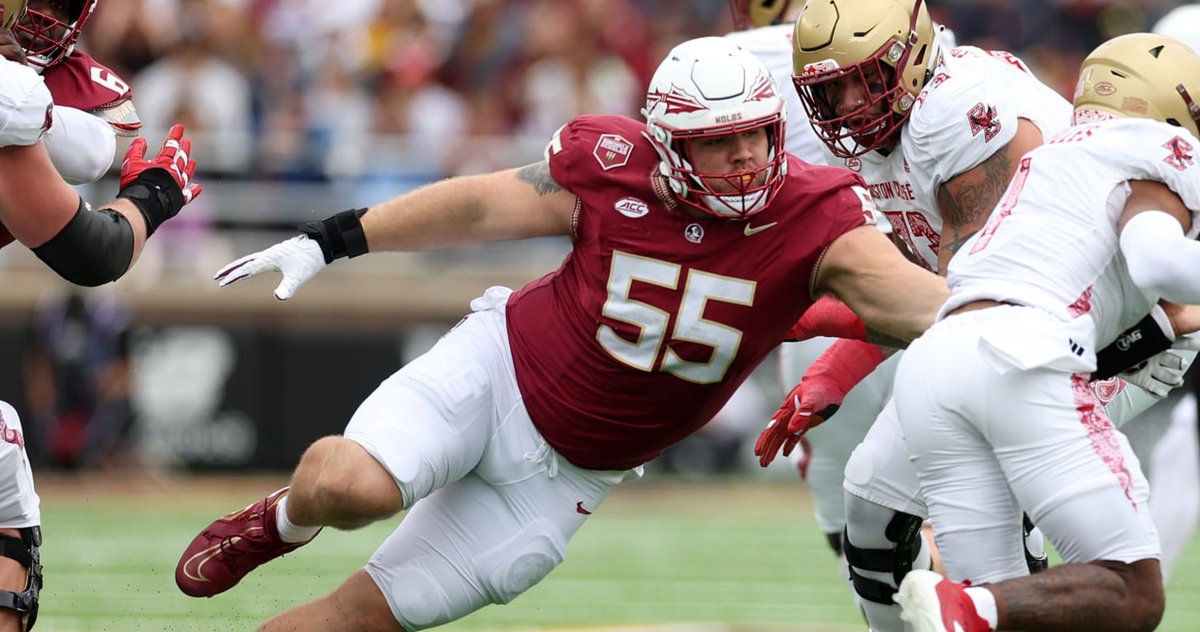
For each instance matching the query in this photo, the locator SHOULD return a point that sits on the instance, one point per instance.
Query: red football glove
(828, 317)
(817, 397)
(174, 158)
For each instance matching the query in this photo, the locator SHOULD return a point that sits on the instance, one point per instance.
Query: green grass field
(686, 556)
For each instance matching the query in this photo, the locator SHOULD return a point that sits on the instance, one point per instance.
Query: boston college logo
(612, 151)
(984, 118)
(1181, 153)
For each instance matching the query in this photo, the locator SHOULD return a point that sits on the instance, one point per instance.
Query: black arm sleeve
(1136, 345)
(94, 248)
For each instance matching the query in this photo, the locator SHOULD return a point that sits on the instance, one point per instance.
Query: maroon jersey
(85, 84)
(657, 316)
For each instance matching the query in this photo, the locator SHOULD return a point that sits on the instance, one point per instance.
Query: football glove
(817, 397)
(298, 258)
(1159, 374)
(174, 157)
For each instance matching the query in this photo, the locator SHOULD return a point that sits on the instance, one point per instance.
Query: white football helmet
(711, 87)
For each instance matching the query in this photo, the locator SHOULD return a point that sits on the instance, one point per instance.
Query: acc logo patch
(1181, 153)
(631, 207)
(612, 151)
(984, 118)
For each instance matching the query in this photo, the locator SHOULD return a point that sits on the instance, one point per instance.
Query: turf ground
(667, 557)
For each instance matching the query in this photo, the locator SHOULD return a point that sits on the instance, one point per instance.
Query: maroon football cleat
(232, 546)
(932, 603)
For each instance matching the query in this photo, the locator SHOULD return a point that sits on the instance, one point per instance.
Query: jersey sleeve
(26, 109)
(961, 121)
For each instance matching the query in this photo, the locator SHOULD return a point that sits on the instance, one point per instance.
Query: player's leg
(20, 536)
(423, 427)
(1068, 466)
(884, 513)
(481, 540)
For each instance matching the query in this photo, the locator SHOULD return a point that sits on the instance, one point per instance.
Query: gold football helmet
(1141, 75)
(13, 9)
(755, 13)
(888, 47)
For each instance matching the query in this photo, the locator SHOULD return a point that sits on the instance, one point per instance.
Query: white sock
(985, 605)
(289, 532)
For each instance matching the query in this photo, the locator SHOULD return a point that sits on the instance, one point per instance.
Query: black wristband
(157, 196)
(340, 235)
(1137, 344)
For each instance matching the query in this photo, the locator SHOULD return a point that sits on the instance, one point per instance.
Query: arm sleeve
(1161, 259)
(82, 146)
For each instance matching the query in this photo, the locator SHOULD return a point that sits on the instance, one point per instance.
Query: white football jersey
(25, 105)
(1052, 242)
(773, 46)
(967, 111)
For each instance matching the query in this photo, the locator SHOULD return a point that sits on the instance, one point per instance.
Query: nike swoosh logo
(579, 508)
(751, 230)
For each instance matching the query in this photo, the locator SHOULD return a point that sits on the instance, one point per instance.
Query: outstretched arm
(511, 204)
(872, 278)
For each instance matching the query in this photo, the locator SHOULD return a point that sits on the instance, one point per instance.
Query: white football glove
(1159, 374)
(299, 259)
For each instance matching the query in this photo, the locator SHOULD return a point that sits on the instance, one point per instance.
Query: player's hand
(1159, 374)
(299, 259)
(806, 406)
(10, 48)
(174, 158)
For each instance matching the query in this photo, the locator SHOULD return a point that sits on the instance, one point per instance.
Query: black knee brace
(25, 550)
(904, 530)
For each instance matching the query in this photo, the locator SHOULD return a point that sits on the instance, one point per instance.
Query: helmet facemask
(708, 88)
(48, 40)
(749, 191)
(875, 121)
(886, 49)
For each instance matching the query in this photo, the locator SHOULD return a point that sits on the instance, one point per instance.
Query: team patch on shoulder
(984, 118)
(1181, 153)
(631, 207)
(612, 151)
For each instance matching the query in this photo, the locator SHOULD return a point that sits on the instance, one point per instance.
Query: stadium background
(300, 108)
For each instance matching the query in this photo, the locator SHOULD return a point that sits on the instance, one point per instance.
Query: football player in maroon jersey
(697, 243)
(95, 119)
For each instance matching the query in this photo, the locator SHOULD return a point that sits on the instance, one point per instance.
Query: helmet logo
(764, 88)
(984, 118)
(819, 67)
(694, 233)
(677, 100)
(631, 207)
(1105, 89)
(1181, 153)
(612, 151)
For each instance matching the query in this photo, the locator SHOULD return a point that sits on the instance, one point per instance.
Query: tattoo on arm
(977, 192)
(538, 176)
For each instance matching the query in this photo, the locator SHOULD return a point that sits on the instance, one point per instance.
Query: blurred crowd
(307, 89)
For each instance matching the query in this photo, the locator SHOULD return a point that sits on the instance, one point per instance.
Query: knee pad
(517, 565)
(25, 550)
(904, 532)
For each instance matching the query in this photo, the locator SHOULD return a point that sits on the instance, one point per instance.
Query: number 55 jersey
(655, 304)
